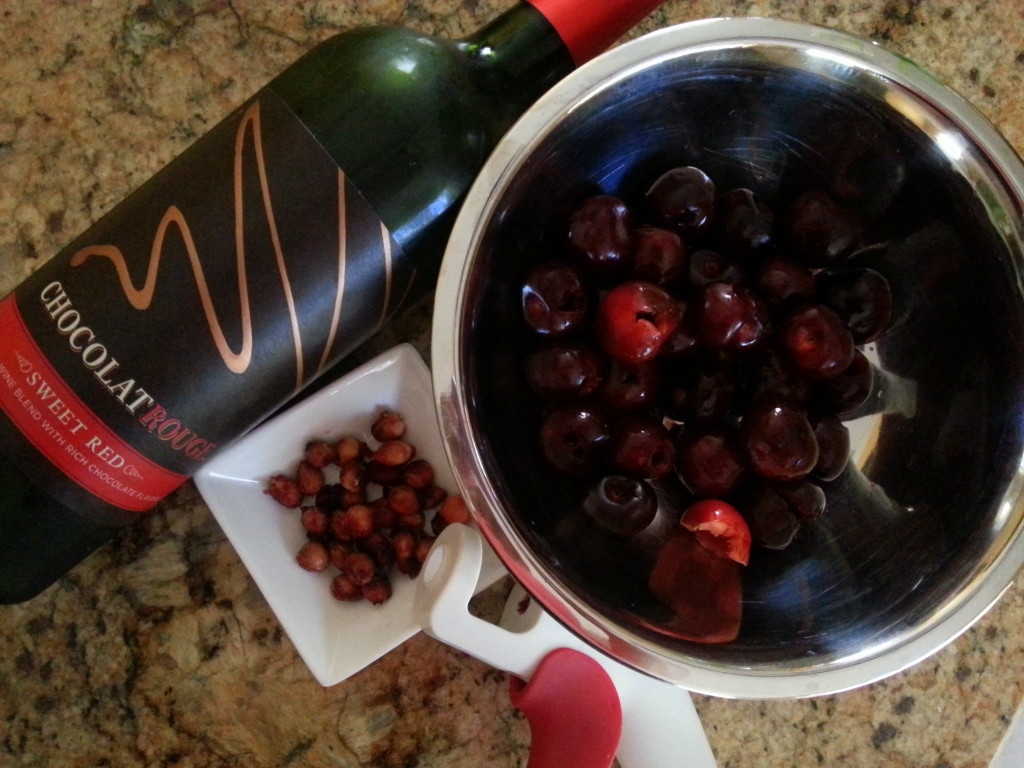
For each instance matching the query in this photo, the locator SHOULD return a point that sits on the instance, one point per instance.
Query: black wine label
(205, 300)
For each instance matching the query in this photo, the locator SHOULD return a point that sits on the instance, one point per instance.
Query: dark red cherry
(772, 522)
(781, 281)
(861, 297)
(555, 299)
(731, 318)
(867, 166)
(631, 387)
(806, 500)
(746, 224)
(683, 199)
(574, 438)
(621, 505)
(833, 447)
(563, 370)
(776, 377)
(684, 341)
(714, 393)
(706, 392)
(641, 447)
(820, 232)
(633, 321)
(709, 463)
(843, 394)
(706, 267)
(779, 440)
(601, 236)
(817, 342)
(658, 255)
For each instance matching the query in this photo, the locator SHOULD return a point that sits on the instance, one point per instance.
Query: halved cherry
(703, 591)
(719, 528)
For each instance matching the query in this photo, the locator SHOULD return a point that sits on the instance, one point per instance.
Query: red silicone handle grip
(573, 710)
(589, 27)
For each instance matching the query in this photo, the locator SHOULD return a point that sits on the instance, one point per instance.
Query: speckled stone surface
(159, 650)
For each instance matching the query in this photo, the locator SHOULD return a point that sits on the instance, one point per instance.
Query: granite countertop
(159, 650)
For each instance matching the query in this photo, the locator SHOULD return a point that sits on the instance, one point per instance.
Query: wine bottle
(261, 256)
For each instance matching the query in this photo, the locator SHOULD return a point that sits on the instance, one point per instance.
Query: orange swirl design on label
(237, 361)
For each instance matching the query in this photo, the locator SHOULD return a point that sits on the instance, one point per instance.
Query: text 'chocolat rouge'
(192, 311)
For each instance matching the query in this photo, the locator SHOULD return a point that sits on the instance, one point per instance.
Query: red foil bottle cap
(589, 27)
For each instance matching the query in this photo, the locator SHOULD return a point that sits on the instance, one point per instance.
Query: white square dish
(334, 639)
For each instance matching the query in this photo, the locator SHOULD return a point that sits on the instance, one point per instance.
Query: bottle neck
(589, 28)
(522, 54)
(536, 43)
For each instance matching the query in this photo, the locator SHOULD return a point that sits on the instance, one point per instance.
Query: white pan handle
(445, 585)
(660, 727)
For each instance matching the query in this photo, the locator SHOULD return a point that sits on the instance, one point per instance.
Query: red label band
(588, 29)
(55, 420)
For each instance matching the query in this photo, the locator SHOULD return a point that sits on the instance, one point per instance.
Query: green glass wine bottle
(253, 262)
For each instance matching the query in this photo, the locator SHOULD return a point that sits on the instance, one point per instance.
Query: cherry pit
(364, 506)
(704, 336)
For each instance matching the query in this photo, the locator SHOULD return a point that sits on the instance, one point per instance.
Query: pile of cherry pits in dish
(703, 334)
(364, 509)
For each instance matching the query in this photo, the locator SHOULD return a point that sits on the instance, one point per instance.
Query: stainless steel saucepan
(923, 532)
